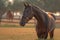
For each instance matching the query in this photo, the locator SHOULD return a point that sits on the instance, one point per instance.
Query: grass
(17, 26)
(17, 37)
(8, 25)
(17, 34)
(26, 26)
(23, 35)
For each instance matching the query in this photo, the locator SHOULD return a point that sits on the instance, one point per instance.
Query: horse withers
(45, 23)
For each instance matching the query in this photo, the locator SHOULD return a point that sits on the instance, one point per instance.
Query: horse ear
(26, 4)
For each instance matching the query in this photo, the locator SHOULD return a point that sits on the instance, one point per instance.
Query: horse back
(52, 19)
(51, 16)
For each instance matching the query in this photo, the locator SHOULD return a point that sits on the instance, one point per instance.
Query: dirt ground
(23, 33)
(16, 31)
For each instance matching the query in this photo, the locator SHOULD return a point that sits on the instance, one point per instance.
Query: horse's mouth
(22, 25)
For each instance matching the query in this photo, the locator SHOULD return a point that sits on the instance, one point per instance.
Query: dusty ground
(23, 34)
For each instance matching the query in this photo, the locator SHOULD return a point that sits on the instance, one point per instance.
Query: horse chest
(40, 27)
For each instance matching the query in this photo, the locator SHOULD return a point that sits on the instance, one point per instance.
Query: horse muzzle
(22, 23)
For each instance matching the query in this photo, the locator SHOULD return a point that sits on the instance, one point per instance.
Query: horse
(45, 22)
(50, 13)
(10, 15)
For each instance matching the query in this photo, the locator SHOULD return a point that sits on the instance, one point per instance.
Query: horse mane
(41, 10)
(43, 14)
(38, 8)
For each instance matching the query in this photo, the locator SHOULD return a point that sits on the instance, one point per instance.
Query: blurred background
(12, 10)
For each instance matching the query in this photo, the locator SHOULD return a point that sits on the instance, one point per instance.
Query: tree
(2, 9)
(47, 5)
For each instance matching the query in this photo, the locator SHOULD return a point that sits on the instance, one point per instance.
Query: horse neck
(39, 15)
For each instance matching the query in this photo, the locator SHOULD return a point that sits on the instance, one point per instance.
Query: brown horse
(50, 13)
(10, 15)
(45, 22)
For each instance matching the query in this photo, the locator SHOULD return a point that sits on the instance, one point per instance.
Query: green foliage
(26, 26)
(47, 5)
